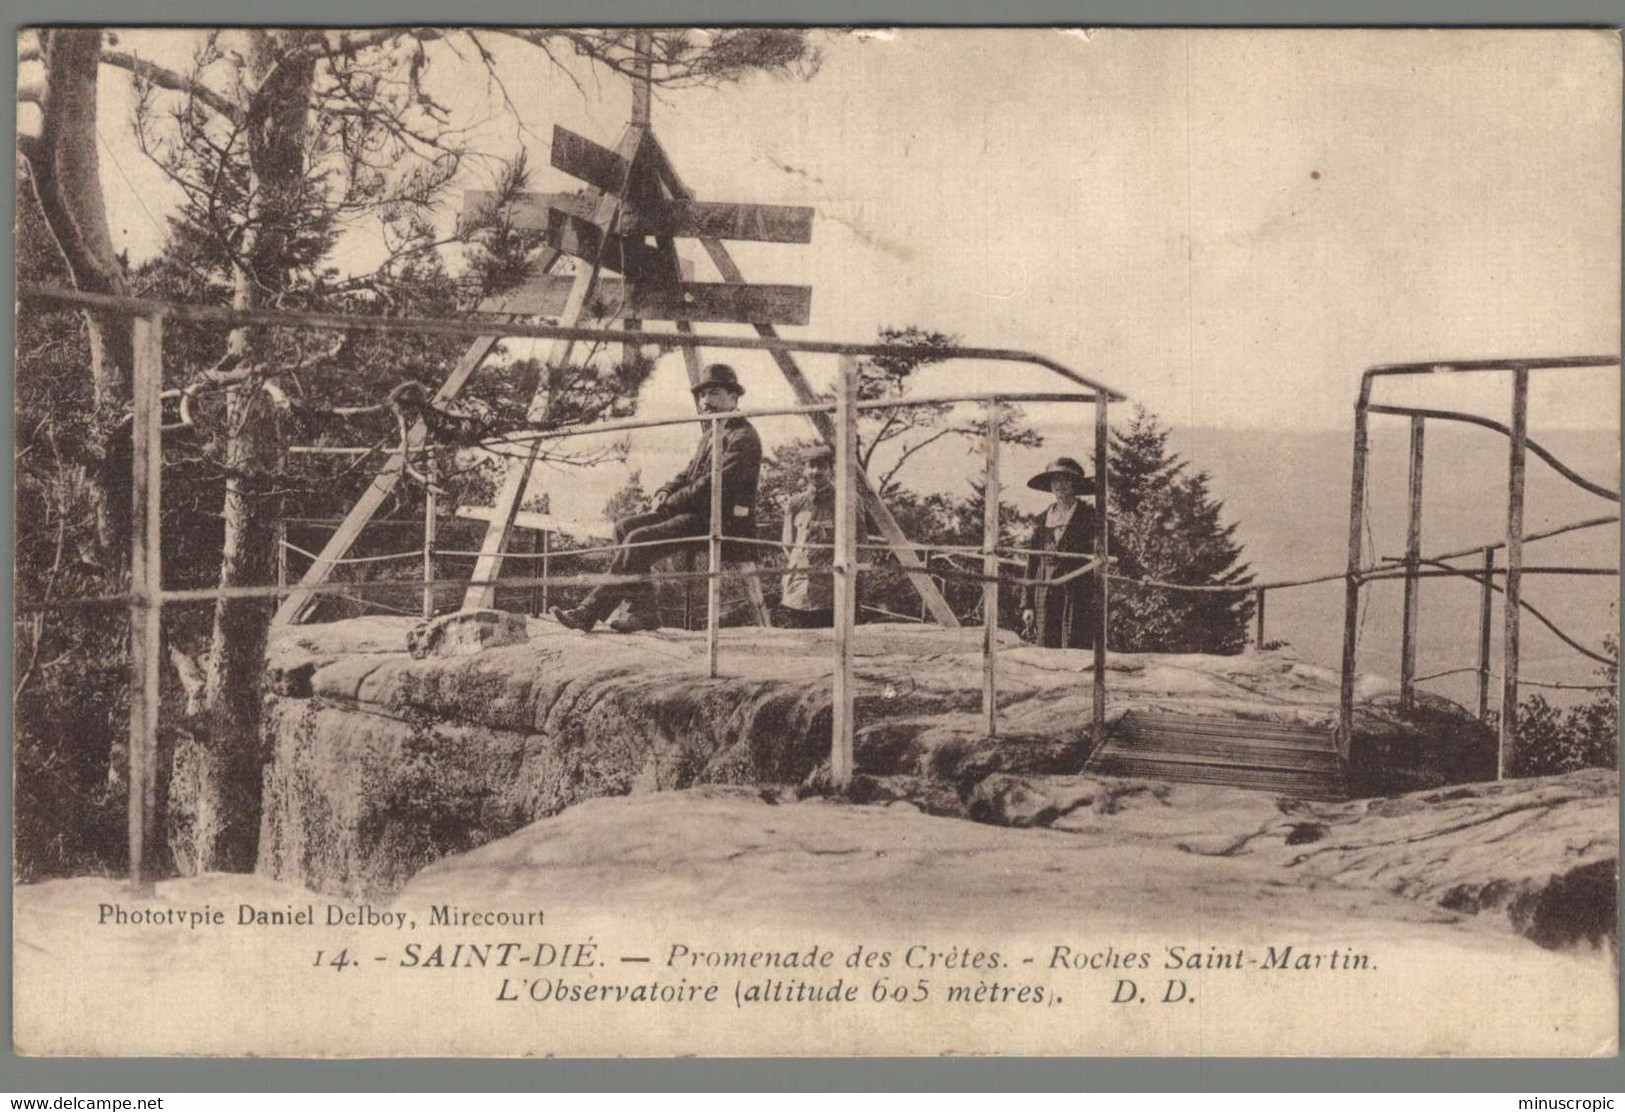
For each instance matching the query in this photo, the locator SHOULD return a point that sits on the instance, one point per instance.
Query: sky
(1227, 226)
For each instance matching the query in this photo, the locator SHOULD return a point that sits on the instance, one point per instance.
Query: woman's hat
(1065, 465)
(719, 374)
(818, 453)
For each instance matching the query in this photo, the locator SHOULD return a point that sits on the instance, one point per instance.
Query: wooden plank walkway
(1285, 759)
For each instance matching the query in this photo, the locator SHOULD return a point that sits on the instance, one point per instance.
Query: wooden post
(845, 569)
(642, 63)
(1413, 556)
(431, 529)
(990, 568)
(281, 553)
(925, 562)
(713, 584)
(146, 589)
(1351, 585)
(1509, 604)
(1486, 597)
(1258, 619)
(1102, 568)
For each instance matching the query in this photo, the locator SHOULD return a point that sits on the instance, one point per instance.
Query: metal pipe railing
(1520, 446)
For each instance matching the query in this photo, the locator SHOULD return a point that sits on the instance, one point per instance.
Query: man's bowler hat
(719, 374)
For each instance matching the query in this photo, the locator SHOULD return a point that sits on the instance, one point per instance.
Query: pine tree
(1167, 526)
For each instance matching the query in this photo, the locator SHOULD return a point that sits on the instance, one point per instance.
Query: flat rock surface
(1040, 690)
(1117, 895)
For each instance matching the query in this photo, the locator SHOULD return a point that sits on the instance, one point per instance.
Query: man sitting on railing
(682, 511)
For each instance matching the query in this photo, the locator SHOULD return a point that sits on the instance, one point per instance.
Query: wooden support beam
(1413, 557)
(713, 584)
(297, 605)
(655, 216)
(431, 516)
(805, 395)
(1486, 600)
(1258, 618)
(605, 170)
(585, 239)
(845, 563)
(722, 301)
(528, 211)
(546, 295)
(482, 589)
(1513, 588)
(990, 568)
(1103, 438)
(146, 589)
(724, 220)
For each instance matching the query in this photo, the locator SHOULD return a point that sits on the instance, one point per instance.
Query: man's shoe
(636, 622)
(580, 618)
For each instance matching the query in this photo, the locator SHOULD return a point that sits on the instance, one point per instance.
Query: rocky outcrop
(379, 762)
(463, 632)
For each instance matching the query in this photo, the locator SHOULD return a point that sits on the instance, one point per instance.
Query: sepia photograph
(816, 542)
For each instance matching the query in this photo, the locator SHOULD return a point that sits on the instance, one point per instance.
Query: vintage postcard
(536, 541)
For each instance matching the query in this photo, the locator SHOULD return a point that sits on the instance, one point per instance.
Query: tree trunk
(223, 765)
(64, 168)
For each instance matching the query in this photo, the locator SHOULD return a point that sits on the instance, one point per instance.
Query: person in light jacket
(682, 511)
(1066, 615)
(807, 598)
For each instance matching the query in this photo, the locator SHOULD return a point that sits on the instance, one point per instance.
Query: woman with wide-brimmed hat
(1064, 616)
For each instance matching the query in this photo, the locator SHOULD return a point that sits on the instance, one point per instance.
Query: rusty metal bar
(1486, 600)
(713, 589)
(1101, 579)
(1545, 454)
(1553, 363)
(1528, 538)
(1514, 581)
(146, 594)
(990, 568)
(841, 757)
(1413, 584)
(1351, 591)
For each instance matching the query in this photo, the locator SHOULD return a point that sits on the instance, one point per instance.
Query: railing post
(1351, 586)
(431, 529)
(713, 585)
(1486, 598)
(1514, 584)
(845, 565)
(1413, 561)
(1102, 566)
(925, 611)
(990, 569)
(146, 589)
(547, 548)
(1258, 619)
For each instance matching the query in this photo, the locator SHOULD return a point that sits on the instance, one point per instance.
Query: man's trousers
(682, 530)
